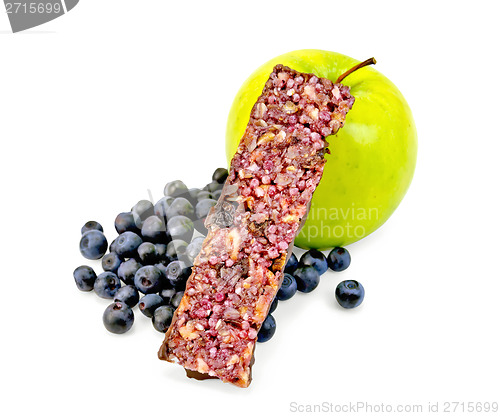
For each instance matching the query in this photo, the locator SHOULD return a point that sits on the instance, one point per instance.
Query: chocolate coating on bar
(278, 165)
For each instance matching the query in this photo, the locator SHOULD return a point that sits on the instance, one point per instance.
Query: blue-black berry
(93, 245)
(200, 196)
(112, 246)
(180, 227)
(349, 294)
(203, 207)
(127, 244)
(307, 278)
(162, 267)
(118, 318)
(128, 295)
(175, 188)
(213, 186)
(192, 195)
(274, 305)
(339, 259)
(149, 303)
(176, 300)
(316, 259)
(176, 249)
(162, 206)
(167, 295)
(180, 206)
(267, 329)
(92, 225)
(84, 278)
(148, 279)
(153, 230)
(162, 318)
(288, 287)
(106, 285)
(193, 249)
(147, 253)
(125, 222)
(110, 262)
(142, 210)
(177, 274)
(127, 271)
(291, 264)
(220, 175)
(161, 251)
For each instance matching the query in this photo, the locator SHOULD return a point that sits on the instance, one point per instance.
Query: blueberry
(112, 246)
(180, 227)
(176, 249)
(92, 225)
(148, 279)
(149, 303)
(307, 278)
(180, 206)
(161, 250)
(288, 287)
(204, 195)
(339, 259)
(274, 305)
(194, 248)
(349, 293)
(177, 274)
(118, 318)
(203, 207)
(142, 210)
(110, 262)
(163, 253)
(220, 175)
(106, 285)
(84, 278)
(125, 222)
(153, 230)
(199, 225)
(93, 245)
(162, 206)
(128, 295)
(147, 253)
(127, 244)
(163, 269)
(213, 186)
(167, 295)
(162, 318)
(192, 195)
(127, 271)
(316, 259)
(176, 300)
(175, 188)
(291, 264)
(267, 329)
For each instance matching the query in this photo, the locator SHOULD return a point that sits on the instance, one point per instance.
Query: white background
(103, 104)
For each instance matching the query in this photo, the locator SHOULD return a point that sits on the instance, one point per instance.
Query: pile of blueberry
(154, 252)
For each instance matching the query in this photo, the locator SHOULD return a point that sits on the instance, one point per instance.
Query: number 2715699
(32, 8)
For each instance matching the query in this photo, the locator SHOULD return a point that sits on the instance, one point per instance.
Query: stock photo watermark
(28, 14)
(470, 407)
(350, 220)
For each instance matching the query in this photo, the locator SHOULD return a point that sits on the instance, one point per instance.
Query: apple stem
(370, 61)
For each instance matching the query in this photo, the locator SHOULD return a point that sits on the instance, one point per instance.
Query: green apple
(372, 157)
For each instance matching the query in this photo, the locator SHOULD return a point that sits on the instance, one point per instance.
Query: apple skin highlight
(372, 158)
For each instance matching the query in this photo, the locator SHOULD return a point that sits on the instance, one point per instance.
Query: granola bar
(277, 167)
